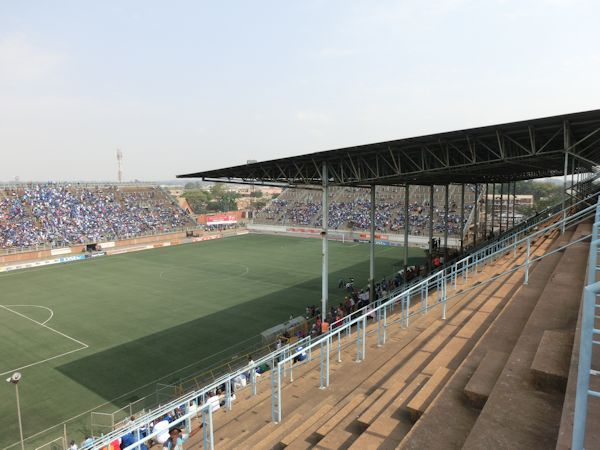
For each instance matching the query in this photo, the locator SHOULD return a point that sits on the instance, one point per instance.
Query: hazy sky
(187, 86)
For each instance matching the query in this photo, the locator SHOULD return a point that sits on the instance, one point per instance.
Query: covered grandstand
(444, 360)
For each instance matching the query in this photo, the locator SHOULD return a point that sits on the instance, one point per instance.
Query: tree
(198, 200)
(192, 185)
(217, 190)
(257, 194)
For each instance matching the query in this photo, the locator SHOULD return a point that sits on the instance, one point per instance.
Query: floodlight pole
(325, 273)
(372, 248)
(15, 381)
(19, 416)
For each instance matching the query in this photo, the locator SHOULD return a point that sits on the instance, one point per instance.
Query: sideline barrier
(113, 250)
(428, 293)
(44, 262)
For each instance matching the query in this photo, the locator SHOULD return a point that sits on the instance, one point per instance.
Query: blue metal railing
(589, 337)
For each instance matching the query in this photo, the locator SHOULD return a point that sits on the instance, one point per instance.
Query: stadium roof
(497, 153)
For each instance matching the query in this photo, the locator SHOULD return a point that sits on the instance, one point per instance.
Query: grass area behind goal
(91, 333)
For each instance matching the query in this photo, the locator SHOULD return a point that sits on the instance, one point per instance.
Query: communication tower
(119, 165)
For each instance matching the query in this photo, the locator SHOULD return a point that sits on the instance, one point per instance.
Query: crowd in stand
(351, 210)
(63, 214)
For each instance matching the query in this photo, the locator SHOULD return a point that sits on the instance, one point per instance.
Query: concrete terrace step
(517, 415)
(450, 414)
(421, 401)
(344, 411)
(415, 355)
(306, 424)
(391, 423)
(455, 315)
(550, 366)
(483, 380)
(391, 426)
(592, 431)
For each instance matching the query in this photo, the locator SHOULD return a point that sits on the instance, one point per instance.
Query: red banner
(221, 219)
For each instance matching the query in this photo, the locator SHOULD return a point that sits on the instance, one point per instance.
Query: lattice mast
(119, 165)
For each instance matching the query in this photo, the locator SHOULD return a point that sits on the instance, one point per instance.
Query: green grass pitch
(88, 332)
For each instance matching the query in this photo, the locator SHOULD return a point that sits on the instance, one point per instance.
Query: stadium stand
(420, 379)
(402, 374)
(349, 209)
(68, 214)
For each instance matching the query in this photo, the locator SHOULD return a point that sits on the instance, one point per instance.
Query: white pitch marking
(43, 361)
(82, 344)
(43, 307)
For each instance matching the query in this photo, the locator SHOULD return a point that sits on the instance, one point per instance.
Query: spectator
(64, 214)
(162, 427)
(176, 439)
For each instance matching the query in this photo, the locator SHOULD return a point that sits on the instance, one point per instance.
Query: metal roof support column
(514, 202)
(476, 215)
(493, 205)
(446, 224)
(406, 195)
(462, 216)
(501, 201)
(572, 196)
(507, 204)
(372, 247)
(325, 261)
(431, 227)
(567, 143)
(485, 216)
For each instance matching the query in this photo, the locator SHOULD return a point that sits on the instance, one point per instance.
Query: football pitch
(103, 332)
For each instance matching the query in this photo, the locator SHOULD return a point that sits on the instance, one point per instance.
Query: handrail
(586, 340)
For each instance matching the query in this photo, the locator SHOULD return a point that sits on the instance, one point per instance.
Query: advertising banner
(41, 263)
(60, 251)
(206, 238)
(65, 259)
(95, 255)
(221, 219)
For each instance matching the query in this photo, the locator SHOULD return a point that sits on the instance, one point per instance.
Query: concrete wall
(42, 254)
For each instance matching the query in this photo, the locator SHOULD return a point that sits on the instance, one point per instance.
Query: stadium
(393, 295)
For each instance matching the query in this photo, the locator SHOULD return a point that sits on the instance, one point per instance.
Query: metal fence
(432, 292)
(56, 444)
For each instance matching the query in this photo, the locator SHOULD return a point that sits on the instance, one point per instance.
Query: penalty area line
(82, 345)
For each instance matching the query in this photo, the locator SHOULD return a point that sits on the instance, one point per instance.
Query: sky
(188, 86)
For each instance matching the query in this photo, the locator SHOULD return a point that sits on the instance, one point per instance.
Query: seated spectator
(162, 427)
(214, 401)
(176, 439)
